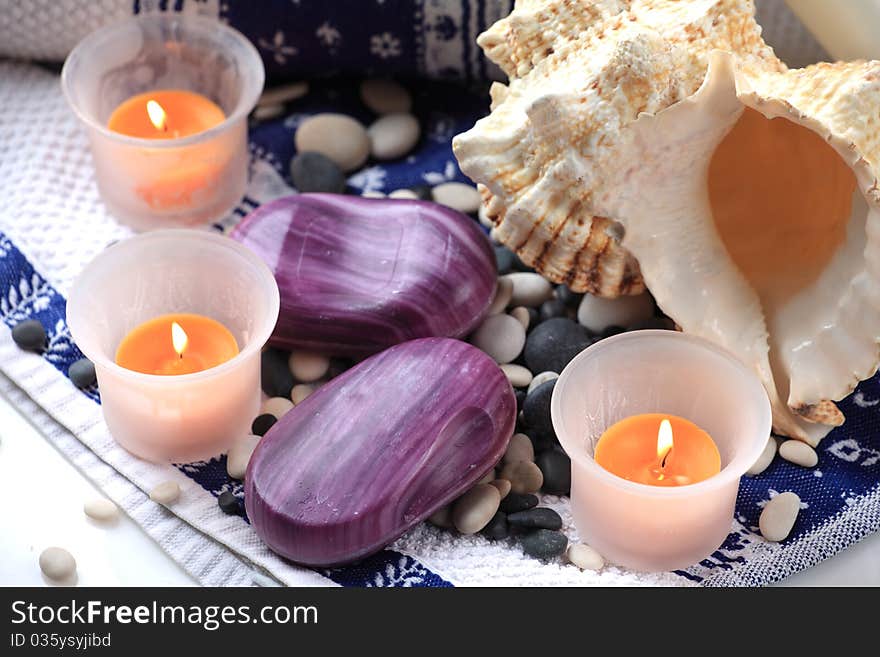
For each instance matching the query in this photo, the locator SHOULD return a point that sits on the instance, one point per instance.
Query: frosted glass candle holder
(644, 527)
(190, 416)
(157, 183)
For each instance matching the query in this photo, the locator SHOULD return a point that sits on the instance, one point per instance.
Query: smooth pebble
(276, 406)
(542, 377)
(778, 516)
(275, 377)
(519, 376)
(57, 563)
(501, 337)
(228, 503)
(268, 112)
(82, 373)
(544, 543)
(521, 314)
(393, 136)
(283, 94)
(597, 314)
(514, 502)
(300, 392)
(556, 468)
(502, 485)
(29, 335)
(798, 453)
(239, 455)
(473, 510)
(168, 492)
(554, 343)
(262, 424)
(315, 172)
(373, 194)
(524, 477)
(584, 557)
(536, 518)
(536, 411)
(552, 308)
(765, 459)
(385, 96)
(458, 196)
(487, 478)
(496, 529)
(337, 136)
(101, 509)
(404, 194)
(518, 449)
(529, 289)
(307, 366)
(503, 294)
(442, 517)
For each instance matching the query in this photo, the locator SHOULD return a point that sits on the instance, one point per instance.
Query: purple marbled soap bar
(378, 449)
(358, 275)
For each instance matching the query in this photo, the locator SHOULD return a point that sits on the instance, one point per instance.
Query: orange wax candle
(176, 344)
(658, 450)
(165, 114)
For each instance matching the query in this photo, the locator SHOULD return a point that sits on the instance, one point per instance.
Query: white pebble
(276, 406)
(798, 453)
(337, 136)
(300, 392)
(57, 563)
(457, 196)
(267, 112)
(779, 516)
(765, 459)
(521, 314)
(500, 336)
(503, 294)
(371, 194)
(167, 492)
(385, 96)
(519, 376)
(584, 557)
(240, 455)
(283, 94)
(519, 448)
(529, 289)
(473, 510)
(307, 366)
(393, 136)
(101, 509)
(405, 194)
(597, 314)
(543, 377)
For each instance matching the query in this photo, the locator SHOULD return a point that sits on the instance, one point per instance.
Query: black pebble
(544, 544)
(504, 258)
(423, 192)
(612, 330)
(228, 503)
(663, 323)
(313, 172)
(556, 468)
(29, 335)
(520, 395)
(515, 502)
(82, 373)
(566, 296)
(534, 318)
(538, 518)
(536, 411)
(263, 423)
(519, 265)
(497, 527)
(275, 377)
(552, 344)
(552, 308)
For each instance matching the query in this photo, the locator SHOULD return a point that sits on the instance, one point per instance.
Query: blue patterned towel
(52, 223)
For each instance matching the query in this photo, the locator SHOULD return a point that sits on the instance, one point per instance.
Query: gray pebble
(798, 453)
(457, 196)
(542, 377)
(584, 557)
(277, 406)
(29, 335)
(57, 563)
(82, 373)
(524, 477)
(521, 314)
(519, 376)
(778, 516)
(168, 492)
(239, 456)
(101, 509)
(337, 136)
(597, 314)
(315, 172)
(544, 543)
(503, 294)
(519, 448)
(529, 289)
(307, 366)
(385, 96)
(501, 337)
(765, 459)
(393, 136)
(473, 510)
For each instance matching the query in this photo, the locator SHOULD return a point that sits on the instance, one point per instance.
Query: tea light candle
(182, 397)
(633, 381)
(185, 163)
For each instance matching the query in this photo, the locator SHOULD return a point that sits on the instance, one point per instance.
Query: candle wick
(663, 461)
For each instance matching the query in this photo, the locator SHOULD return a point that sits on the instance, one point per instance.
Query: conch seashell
(661, 142)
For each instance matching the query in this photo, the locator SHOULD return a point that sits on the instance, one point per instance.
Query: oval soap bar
(378, 449)
(358, 275)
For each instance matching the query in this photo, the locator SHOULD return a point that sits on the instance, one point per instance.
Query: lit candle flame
(178, 338)
(664, 442)
(157, 115)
